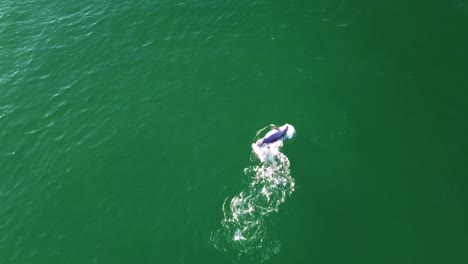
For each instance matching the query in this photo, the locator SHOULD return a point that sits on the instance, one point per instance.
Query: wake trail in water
(247, 216)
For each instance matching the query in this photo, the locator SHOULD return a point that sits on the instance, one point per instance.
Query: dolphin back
(270, 138)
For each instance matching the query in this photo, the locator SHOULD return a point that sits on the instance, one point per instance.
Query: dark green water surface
(125, 126)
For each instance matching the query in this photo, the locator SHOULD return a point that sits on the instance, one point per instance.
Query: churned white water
(247, 216)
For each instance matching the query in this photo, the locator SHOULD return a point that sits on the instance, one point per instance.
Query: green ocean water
(126, 125)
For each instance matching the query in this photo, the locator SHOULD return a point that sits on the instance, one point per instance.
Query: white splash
(247, 216)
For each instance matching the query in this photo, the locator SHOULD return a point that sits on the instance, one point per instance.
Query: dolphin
(267, 147)
(277, 133)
